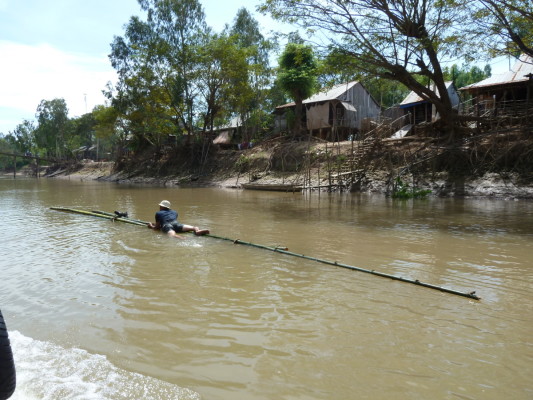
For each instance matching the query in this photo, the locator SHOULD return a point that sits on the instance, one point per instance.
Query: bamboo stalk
(282, 250)
(99, 215)
(115, 216)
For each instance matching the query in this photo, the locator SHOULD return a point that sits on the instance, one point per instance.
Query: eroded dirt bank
(321, 166)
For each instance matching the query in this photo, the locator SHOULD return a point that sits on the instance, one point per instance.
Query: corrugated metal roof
(522, 67)
(333, 93)
(222, 138)
(415, 98)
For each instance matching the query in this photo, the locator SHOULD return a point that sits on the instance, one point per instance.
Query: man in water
(167, 220)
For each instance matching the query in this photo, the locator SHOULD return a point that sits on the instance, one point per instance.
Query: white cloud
(29, 74)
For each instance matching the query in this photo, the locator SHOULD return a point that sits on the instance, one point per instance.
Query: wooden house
(422, 110)
(334, 113)
(227, 135)
(507, 93)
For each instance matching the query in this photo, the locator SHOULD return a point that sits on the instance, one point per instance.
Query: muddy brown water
(103, 310)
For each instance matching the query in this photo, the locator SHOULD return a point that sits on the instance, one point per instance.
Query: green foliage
(51, 132)
(466, 75)
(224, 78)
(403, 191)
(243, 163)
(254, 105)
(6, 146)
(22, 138)
(106, 119)
(176, 76)
(340, 159)
(158, 64)
(83, 129)
(297, 76)
(290, 117)
(298, 71)
(502, 27)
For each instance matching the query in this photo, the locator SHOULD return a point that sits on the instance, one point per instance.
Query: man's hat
(165, 204)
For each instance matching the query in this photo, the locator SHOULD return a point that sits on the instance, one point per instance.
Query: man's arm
(156, 226)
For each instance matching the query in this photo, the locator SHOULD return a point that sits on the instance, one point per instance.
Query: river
(105, 310)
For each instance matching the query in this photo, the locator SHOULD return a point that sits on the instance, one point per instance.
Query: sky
(59, 49)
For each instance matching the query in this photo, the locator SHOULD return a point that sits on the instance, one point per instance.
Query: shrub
(401, 190)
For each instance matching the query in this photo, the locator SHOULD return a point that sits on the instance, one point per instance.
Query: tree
(82, 128)
(52, 119)
(224, 77)
(389, 39)
(466, 75)
(22, 137)
(505, 25)
(158, 66)
(106, 118)
(297, 76)
(107, 129)
(252, 107)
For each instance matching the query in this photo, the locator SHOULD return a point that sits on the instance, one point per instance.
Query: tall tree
(52, 120)
(224, 77)
(390, 39)
(107, 129)
(252, 106)
(297, 75)
(82, 128)
(158, 66)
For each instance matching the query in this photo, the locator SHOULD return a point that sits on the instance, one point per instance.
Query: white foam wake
(46, 371)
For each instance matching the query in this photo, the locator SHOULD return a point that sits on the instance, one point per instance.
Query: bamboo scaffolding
(279, 249)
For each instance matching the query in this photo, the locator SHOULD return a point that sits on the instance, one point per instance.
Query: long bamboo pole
(114, 216)
(100, 215)
(282, 250)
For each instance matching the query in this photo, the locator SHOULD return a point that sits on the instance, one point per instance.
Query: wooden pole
(14, 167)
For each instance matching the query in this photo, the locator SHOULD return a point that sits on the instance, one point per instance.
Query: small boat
(273, 187)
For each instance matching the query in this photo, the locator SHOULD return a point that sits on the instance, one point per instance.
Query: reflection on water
(115, 311)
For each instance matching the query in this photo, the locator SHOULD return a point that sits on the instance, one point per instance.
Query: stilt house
(334, 113)
(227, 135)
(510, 93)
(421, 110)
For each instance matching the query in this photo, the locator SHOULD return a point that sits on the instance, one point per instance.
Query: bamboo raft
(282, 250)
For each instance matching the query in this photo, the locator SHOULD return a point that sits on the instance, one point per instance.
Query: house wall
(318, 116)
(321, 115)
(362, 101)
(280, 123)
(419, 113)
(454, 96)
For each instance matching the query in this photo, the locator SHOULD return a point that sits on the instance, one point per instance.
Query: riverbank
(285, 165)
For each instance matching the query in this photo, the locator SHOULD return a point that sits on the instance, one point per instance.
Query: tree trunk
(297, 128)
